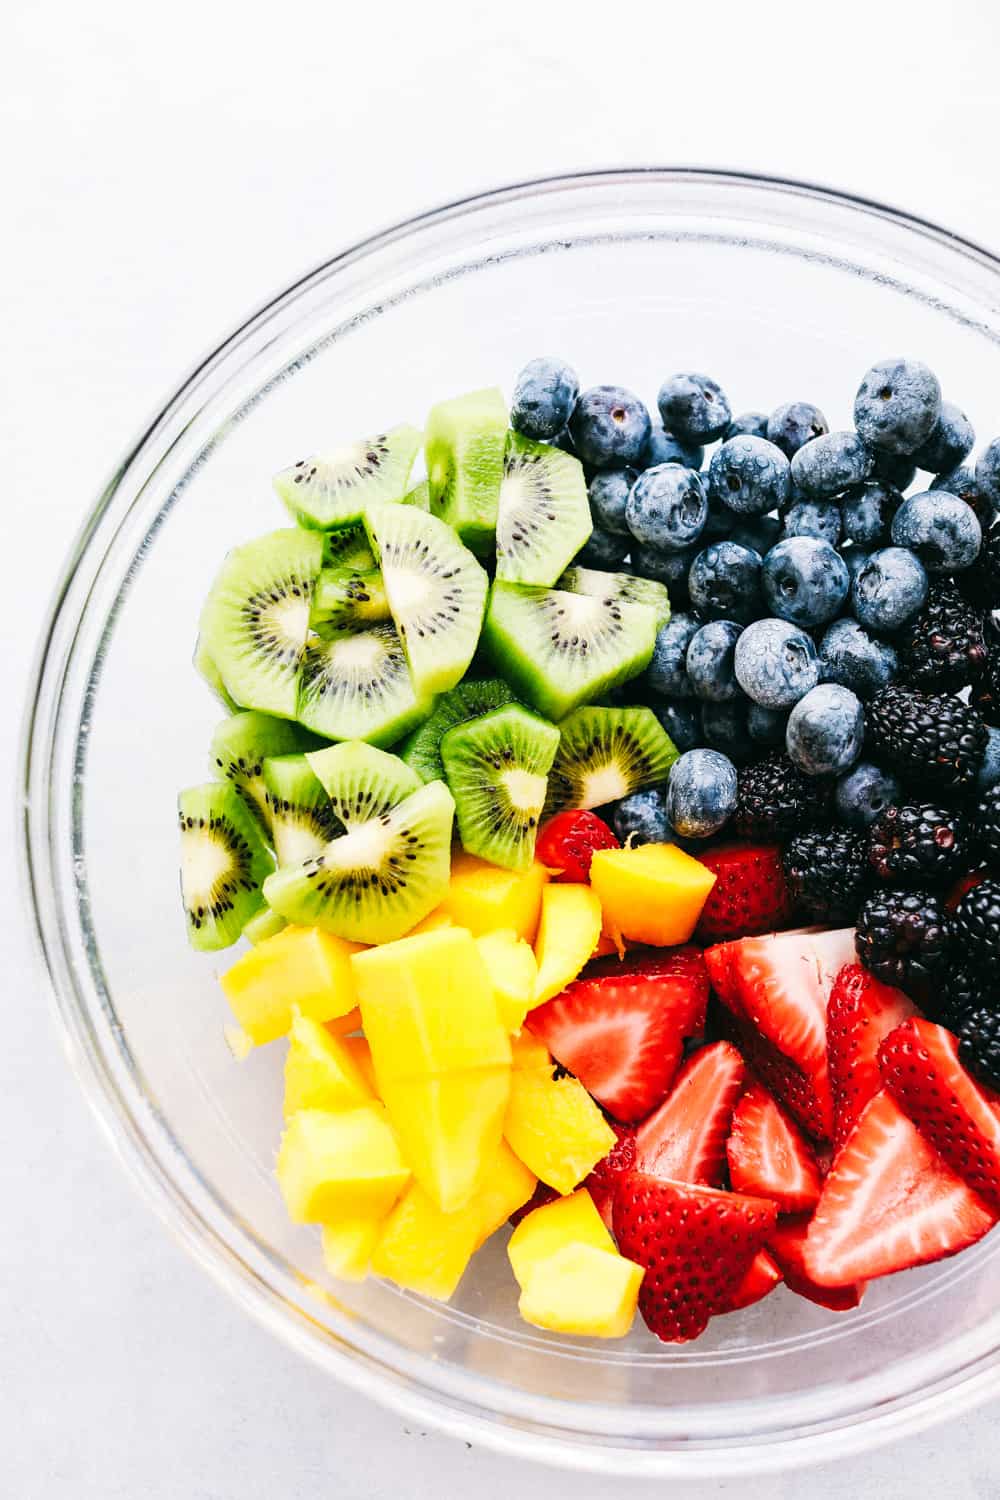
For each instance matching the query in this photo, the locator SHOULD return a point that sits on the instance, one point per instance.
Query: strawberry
(567, 842)
(720, 962)
(685, 1139)
(696, 1244)
(787, 1244)
(768, 1155)
(602, 1180)
(781, 1078)
(749, 894)
(621, 1027)
(862, 1011)
(763, 1276)
(889, 1203)
(920, 1067)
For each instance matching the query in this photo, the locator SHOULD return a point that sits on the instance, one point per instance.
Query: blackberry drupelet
(903, 938)
(979, 1045)
(931, 740)
(986, 826)
(826, 873)
(958, 992)
(775, 800)
(944, 649)
(980, 584)
(986, 693)
(976, 926)
(918, 843)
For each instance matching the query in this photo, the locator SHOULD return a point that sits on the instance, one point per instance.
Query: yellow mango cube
(345, 1025)
(505, 1186)
(482, 898)
(299, 968)
(439, 917)
(528, 1053)
(583, 1290)
(340, 1165)
(555, 1127)
(568, 933)
(320, 1072)
(348, 1246)
(572, 1220)
(449, 1128)
(423, 1249)
(512, 967)
(360, 1051)
(650, 893)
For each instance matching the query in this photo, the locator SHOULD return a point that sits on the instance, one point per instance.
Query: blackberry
(980, 584)
(986, 694)
(958, 992)
(930, 739)
(774, 800)
(826, 873)
(945, 646)
(986, 826)
(976, 926)
(979, 1045)
(918, 843)
(902, 938)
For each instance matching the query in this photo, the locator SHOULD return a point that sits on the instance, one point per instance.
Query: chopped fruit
(482, 897)
(505, 1188)
(360, 1051)
(685, 1140)
(348, 1246)
(962, 887)
(320, 1072)
(567, 1221)
(769, 1157)
(345, 1025)
(555, 1127)
(464, 443)
(566, 843)
(890, 1202)
(696, 1244)
(513, 970)
(449, 1128)
(749, 895)
(762, 1277)
(603, 1180)
(342, 1165)
(428, 1008)
(960, 1119)
(436, 919)
(543, 1194)
(861, 1013)
(567, 936)
(810, 1107)
(585, 1291)
(300, 967)
(651, 893)
(605, 946)
(424, 1249)
(530, 1055)
(787, 1243)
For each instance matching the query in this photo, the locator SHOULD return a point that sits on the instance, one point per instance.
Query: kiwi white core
(604, 784)
(288, 620)
(525, 790)
(363, 848)
(361, 653)
(410, 590)
(203, 863)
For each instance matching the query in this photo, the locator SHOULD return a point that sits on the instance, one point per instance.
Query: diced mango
(439, 917)
(320, 1072)
(650, 893)
(505, 1186)
(528, 1053)
(340, 1165)
(583, 1290)
(512, 967)
(568, 933)
(348, 1246)
(449, 1128)
(345, 1025)
(555, 1127)
(300, 967)
(422, 1248)
(483, 898)
(427, 1005)
(573, 1220)
(360, 1051)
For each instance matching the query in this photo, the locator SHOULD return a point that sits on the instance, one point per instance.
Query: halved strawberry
(696, 1244)
(566, 843)
(720, 962)
(602, 1181)
(861, 1013)
(787, 1244)
(812, 1109)
(889, 1203)
(749, 894)
(920, 1068)
(769, 1156)
(685, 1139)
(762, 1277)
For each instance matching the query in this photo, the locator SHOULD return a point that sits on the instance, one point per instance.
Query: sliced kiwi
(346, 599)
(348, 548)
(419, 497)
(224, 862)
(301, 816)
(256, 618)
(205, 666)
(242, 743)
(360, 781)
(422, 749)
(618, 588)
(497, 768)
(544, 514)
(605, 754)
(335, 489)
(559, 650)
(355, 685)
(464, 444)
(264, 925)
(436, 592)
(376, 881)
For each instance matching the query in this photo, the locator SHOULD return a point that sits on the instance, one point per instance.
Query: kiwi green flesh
(224, 863)
(266, 924)
(336, 489)
(206, 668)
(421, 750)
(376, 881)
(560, 650)
(355, 685)
(299, 811)
(544, 514)
(419, 496)
(242, 743)
(622, 588)
(605, 754)
(464, 445)
(348, 599)
(360, 781)
(497, 770)
(348, 548)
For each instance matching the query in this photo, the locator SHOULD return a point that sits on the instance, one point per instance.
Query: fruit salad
(611, 811)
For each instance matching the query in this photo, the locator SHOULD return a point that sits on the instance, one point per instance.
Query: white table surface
(163, 175)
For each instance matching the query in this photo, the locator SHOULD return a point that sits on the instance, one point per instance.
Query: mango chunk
(340, 1165)
(423, 1249)
(345, 1025)
(583, 1290)
(505, 1186)
(555, 1127)
(651, 893)
(568, 933)
(348, 1246)
(513, 969)
(449, 1128)
(360, 1051)
(528, 1053)
(320, 1072)
(482, 898)
(299, 968)
(573, 1220)
(439, 917)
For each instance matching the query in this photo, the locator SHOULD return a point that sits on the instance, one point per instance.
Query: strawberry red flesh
(749, 895)
(685, 1139)
(861, 1013)
(567, 843)
(602, 1181)
(787, 1244)
(812, 1109)
(769, 1156)
(763, 1276)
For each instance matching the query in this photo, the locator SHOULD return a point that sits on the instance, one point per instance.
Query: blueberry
(888, 590)
(682, 722)
(989, 771)
(747, 424)
(864, 794)
(724, 726)
(610, 427)
(988, 471)
(720, 522)
(667, 508)
(608, 491)
(710, 661)
(664, 448)
(795, 424)
(701, 793)
(670, 568)
(826, 730)
(940, 528)
(830, 464)
(857, 660)
(804, 580)
(759, 533)
(895, 469)
(750, 475)
(820, 518)
(855, 558)
(694, 408)
(544, 397)
(564, 441)
(766, 726)
(963, 483)
(867, 512)
(950, 442)
(666, 674)
(897, 405)
(776, 663)
(724, 582)
(602, 549)
(642, 817)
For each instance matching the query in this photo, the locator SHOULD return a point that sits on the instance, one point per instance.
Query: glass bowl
(783, 291)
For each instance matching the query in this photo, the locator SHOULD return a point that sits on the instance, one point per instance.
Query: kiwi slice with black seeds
(464, 445)
(497, 769)
(378, 880)
(224, 863)
(360, 781)
(420, 496)
(346, 599)
(242, 743)
(299, 811)
(266, 924)
(605, 754)
(422, 749)
(206, 668)
(355, 685)
(336, 489)
(544, 514)
(618, 588)
(348, 548)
